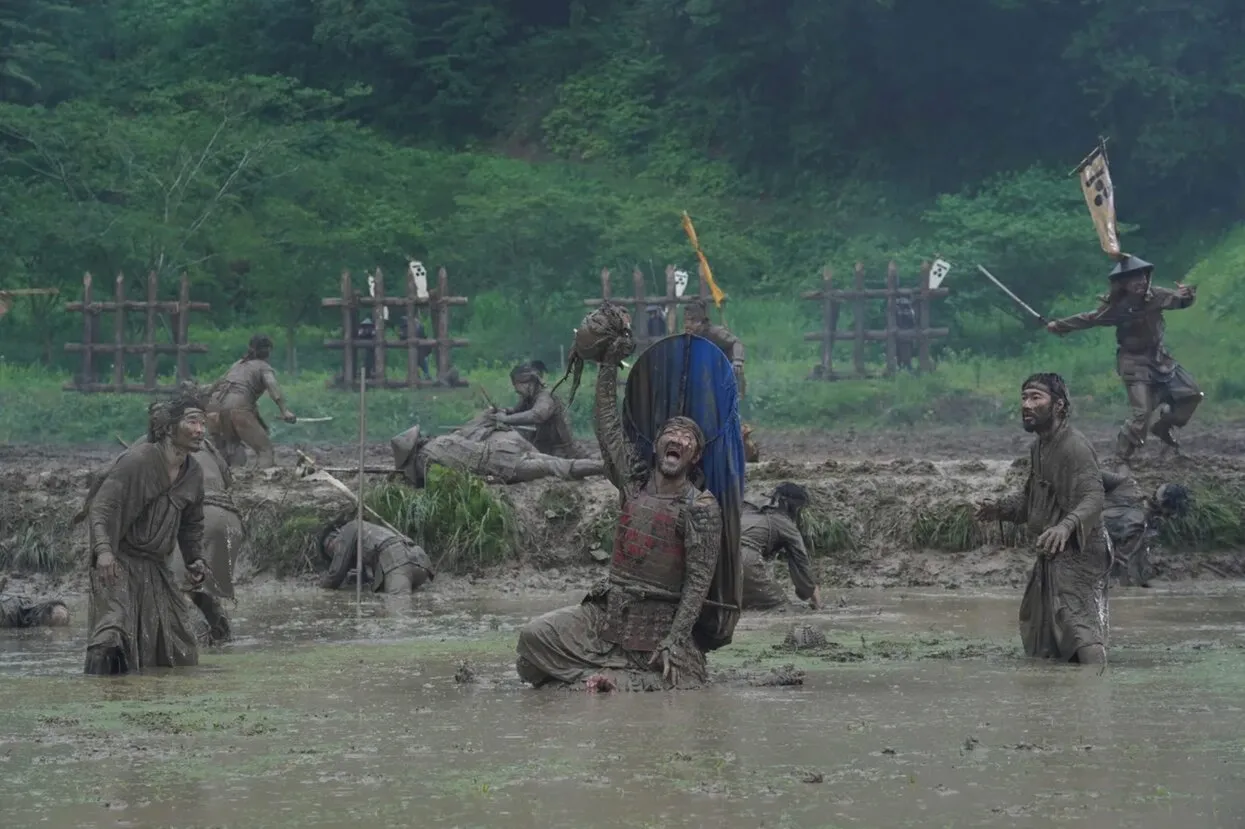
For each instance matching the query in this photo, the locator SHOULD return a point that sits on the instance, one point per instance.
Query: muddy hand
(289, 417)
(668, 671)
(106, 569)
(1053, 327)
(1053, 541)
(198, 571)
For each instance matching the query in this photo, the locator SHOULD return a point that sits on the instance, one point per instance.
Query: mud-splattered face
(1137, 284)
(1037, 408)
(694, 325)
(525, 387)
(188, 434)
(678, 450)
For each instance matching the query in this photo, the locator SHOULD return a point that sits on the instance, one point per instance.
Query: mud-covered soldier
(503, 455)
(1159, 389)
(21, 612)
(905, 320)
(634, 630)
(1064, 611)
(696, 321)
(540, 410)
(150, 500)
(366, 331)
(773, 531)
(422, 351)
(396, 564)
(655, 322)
(235, 405)
(1132, 521)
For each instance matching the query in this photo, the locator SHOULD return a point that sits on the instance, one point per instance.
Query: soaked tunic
(1142, 356)
(553, 434)
(233, 408)
(397, 565)
(138, 515)
(665, 557)
(765, 534)
(1126, 522)
(20, 612)
(1065, 603)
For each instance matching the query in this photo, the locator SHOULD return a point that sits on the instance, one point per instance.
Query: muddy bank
(881, 516)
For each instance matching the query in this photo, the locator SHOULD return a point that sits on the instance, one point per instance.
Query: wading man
(396, 564)
(235, 406)
(1064, 611)
(150, 500)
(1159, 389)
(696, 321)
(634, 631)
(773, 531)
(539, 409)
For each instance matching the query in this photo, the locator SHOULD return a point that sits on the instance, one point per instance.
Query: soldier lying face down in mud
(234, 406)
(1064, 611)
(773, 531)
(481, 448)
(634, 630)
(538, 408)
(20, 612)
(1132, 521)
(396, 564)
(150, 500)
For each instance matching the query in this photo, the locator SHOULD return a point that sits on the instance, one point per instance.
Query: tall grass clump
(40, 542)
(462, 524)
(1215, 521)
(952, 528)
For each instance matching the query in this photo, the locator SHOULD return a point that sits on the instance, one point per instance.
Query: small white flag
(938, 272)
(419, 274)
(680, 282)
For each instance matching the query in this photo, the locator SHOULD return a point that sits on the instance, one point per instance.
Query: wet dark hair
(696, 311)
(790, 498)
(258, 343)
(524, 372)
(1054, 384)
(163, 415)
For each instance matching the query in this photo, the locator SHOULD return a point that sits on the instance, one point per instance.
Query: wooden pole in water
(358, 582)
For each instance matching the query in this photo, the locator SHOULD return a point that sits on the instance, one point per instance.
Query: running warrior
(1064, 611)
(1155, 382)
(234, 405)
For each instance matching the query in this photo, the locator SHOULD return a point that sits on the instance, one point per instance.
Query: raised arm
(616, 450)
(731, 345)
(1169, 300)
(1104, 316)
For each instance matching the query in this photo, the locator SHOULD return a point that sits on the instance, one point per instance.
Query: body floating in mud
(540, 410)
(20, 612)
(634, 630)
(234, 406)
(397, 565)
(696, 321)
(773, 531)
(1132, 520)
(482, 449)
(1064, 611)
(149, 501)
(1154, 381)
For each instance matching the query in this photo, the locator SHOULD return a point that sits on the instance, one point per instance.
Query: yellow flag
(718, 296)
(1100, 198)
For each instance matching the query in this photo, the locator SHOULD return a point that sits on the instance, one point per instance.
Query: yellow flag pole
(705, 272)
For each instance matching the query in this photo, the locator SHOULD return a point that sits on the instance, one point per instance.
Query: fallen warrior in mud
(1132, 521)
(482, 448)
(149, 501)
(773, 531)
(396, 565)
(20, 612)
(1064, 611)
(634, 630)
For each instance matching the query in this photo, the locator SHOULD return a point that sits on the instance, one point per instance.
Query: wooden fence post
(88, 331)
(829, 322)
(149, 342)
(183, 329)
(858, 352)
(118, 357)
(927, 365)
(412, 350)
(378, 320)
(347, 331)
(672, 301)
(443, 324)
(892, 293)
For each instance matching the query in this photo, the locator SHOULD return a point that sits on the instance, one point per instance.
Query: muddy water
(316, 718)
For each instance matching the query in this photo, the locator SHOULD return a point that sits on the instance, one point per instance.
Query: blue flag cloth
(690, 376)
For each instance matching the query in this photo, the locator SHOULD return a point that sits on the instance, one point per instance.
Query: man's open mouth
(673, 454)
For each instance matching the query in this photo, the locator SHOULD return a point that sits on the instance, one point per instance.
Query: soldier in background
(696, 321)
(234, 406)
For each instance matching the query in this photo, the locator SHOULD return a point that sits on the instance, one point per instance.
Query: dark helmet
(1173, 499)
(696, 311)
(1128, 266)
(792, 497)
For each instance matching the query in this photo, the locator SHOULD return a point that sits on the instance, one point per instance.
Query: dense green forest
(261, 146)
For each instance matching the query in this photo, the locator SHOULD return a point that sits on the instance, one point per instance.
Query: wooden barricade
(8, 294)
(352, 302)
(893, 335)
(640, 302)
(91, 311)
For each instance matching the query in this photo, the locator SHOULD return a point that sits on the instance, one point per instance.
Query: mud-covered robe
(138, 515)
(1065, 603)
(764, 534)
